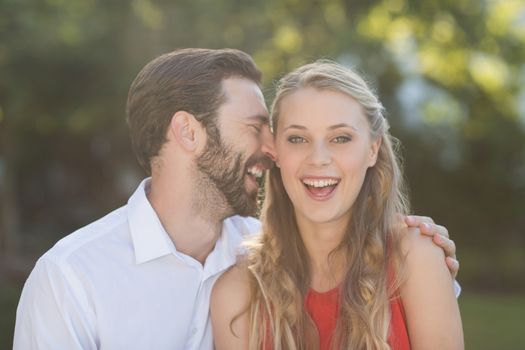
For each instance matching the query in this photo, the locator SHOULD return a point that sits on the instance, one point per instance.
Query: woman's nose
(320, 155)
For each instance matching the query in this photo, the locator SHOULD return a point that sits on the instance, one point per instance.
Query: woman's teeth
(320, 183)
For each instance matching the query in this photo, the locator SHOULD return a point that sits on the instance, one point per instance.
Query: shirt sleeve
(457, 289)
(53, 312)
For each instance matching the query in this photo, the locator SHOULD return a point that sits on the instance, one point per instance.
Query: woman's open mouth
(320, 188)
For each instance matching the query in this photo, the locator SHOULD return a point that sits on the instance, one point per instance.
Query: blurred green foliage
(9, 295)
(450, 73)
(492, 321)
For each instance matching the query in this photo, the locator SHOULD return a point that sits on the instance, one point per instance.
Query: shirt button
(193, 331)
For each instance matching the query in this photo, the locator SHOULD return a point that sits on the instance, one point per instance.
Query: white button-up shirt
(120, 283)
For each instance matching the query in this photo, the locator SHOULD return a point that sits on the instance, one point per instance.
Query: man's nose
(268, 144)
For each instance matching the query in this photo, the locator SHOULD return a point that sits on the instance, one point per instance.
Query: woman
(332, 269)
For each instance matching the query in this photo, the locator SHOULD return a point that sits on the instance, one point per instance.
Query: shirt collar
(150, 240)
(229, 245)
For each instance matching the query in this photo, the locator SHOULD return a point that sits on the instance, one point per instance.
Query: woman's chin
(323, 216)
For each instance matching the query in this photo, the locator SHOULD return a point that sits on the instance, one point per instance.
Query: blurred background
(451, 74)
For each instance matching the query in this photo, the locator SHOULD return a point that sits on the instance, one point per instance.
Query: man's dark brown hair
(183, 80)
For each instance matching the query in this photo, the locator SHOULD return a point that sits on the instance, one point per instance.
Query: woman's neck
(327, 262)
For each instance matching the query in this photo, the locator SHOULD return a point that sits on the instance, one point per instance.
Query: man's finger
(453, 266)
(416, 220)
(433, 229)
(448, 245)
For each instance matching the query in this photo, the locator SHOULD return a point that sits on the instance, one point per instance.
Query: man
(141, 277)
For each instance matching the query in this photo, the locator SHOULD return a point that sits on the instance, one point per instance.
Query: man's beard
(222, 168)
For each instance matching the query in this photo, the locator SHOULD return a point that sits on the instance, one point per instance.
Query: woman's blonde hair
(279, 263)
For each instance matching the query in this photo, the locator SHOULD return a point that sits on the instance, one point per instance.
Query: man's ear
(186, 131)
(374, 151)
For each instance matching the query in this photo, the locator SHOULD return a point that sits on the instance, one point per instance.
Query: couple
(142, 276)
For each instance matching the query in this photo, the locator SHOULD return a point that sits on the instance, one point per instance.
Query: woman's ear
(186, 130)
(374, 151)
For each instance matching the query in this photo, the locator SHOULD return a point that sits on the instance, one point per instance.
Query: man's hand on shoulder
(440, 237)
(432, 311)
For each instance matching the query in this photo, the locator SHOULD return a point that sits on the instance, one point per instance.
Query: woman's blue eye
(296, 139)
(342, 139)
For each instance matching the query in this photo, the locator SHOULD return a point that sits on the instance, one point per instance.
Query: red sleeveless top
(323, 308)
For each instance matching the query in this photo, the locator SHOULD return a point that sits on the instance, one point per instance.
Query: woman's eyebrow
(295, 126)
(342, 125)
(331, 127)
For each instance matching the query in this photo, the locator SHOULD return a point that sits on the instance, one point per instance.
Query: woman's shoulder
(232, 285)
(229, 308)
(417, 246)
(427, 294)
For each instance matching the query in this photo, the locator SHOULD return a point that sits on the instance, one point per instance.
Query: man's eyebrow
(261, 118)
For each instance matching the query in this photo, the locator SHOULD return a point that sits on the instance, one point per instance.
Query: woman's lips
(320, 188)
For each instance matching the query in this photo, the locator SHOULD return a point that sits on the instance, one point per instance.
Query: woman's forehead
(321, 108)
